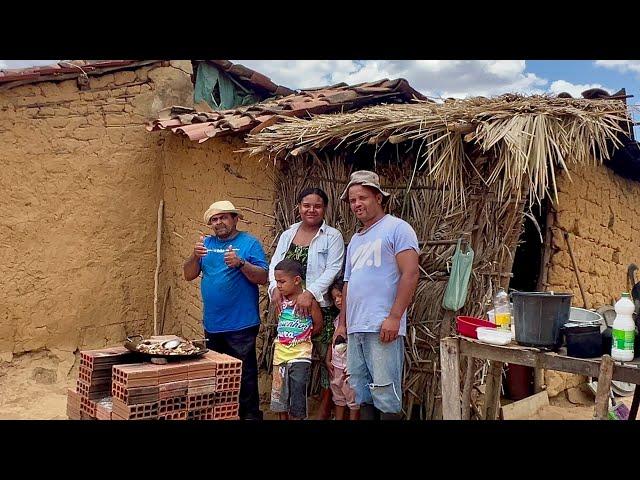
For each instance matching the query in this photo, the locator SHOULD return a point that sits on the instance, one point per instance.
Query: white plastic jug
(624, 330)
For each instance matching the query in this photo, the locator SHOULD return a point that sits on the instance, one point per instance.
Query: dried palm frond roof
(526, 134)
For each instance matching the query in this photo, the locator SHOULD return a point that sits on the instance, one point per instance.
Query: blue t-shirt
(230, 300)
(373, 274)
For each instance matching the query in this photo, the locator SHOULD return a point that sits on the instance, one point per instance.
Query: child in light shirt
(343, 394)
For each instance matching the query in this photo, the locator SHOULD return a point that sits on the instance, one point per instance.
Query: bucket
(519, 382)
(539, 316)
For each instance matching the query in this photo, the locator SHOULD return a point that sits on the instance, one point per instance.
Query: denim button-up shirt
(326, 255)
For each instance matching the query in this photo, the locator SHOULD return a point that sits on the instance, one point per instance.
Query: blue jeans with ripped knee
(375, 370)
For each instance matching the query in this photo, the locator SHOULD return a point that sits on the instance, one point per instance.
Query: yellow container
(503, 320)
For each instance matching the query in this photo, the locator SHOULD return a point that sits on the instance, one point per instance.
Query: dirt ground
(34, 387)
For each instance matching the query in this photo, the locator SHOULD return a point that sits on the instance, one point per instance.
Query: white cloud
(302, 73)
(623, 66)
(574, 89)
(459, 78)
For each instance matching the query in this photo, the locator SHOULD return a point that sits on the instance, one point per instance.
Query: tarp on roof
(219, 91)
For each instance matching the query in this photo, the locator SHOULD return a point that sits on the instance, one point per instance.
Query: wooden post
(492, 391)
(543, 273)
(164, 310)
(466, 390)
(450, 378)
(445, 327)
(634, 404)
(538, 379)
(575, 268)
(604, 388)
(157, 275)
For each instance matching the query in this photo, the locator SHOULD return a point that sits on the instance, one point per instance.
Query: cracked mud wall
(196, 175)
(80, 185)
(601, 211)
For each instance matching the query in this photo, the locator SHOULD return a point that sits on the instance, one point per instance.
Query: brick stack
(73, 404)
(201, 388)
(205, 388)
(228, 376)
(94, 382)
(173, 381)
(135, 391)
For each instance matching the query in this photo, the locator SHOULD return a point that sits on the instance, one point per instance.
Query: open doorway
(529, 253)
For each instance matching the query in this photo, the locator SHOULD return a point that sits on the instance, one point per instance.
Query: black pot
(583, 339)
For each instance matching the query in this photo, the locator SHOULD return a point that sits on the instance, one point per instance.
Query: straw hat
(363, 177)
(223, 206)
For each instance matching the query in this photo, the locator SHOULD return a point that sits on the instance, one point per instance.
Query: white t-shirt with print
(373, 274)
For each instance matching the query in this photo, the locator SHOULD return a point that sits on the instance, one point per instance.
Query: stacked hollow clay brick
(206, 388)
(214, 387)
(91, 397)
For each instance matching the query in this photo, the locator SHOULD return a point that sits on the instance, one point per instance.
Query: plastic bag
(456, 293)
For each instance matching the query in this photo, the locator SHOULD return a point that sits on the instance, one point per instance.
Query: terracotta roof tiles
(64, 70)
(200, 126)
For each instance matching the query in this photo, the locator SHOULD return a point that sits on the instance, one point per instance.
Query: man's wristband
(242, 263)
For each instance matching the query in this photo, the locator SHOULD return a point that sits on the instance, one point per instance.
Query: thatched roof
(524, 135)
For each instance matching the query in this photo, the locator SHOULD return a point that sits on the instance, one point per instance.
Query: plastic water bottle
(502, 310)
(624, 330)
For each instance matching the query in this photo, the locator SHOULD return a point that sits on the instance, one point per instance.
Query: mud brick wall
(601, 210)
(194, 176)
(80, 185)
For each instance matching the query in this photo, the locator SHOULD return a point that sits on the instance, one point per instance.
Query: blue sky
(451, 78)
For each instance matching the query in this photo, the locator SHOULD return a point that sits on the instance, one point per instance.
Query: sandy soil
(560, 408)
(573, 404)
(34, 387)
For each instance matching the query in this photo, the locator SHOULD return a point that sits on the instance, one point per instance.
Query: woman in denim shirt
(320, 249)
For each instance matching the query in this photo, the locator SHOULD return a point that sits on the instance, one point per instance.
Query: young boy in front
(292, 347)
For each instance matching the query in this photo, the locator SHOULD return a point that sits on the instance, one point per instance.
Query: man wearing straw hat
(381, 274)
(232, 264)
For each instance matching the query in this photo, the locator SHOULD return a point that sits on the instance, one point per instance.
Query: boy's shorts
(343, 394)
(289, 388)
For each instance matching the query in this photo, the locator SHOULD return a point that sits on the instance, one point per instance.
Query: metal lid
(586, 325)
(542, 294)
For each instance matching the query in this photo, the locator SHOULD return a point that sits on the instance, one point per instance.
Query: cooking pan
(133, 341)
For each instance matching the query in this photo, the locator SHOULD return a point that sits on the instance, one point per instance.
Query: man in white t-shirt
(381, 274)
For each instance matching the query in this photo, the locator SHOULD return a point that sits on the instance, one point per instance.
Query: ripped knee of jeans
(384, 387)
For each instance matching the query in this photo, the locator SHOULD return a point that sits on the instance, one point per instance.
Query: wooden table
(452, 348)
